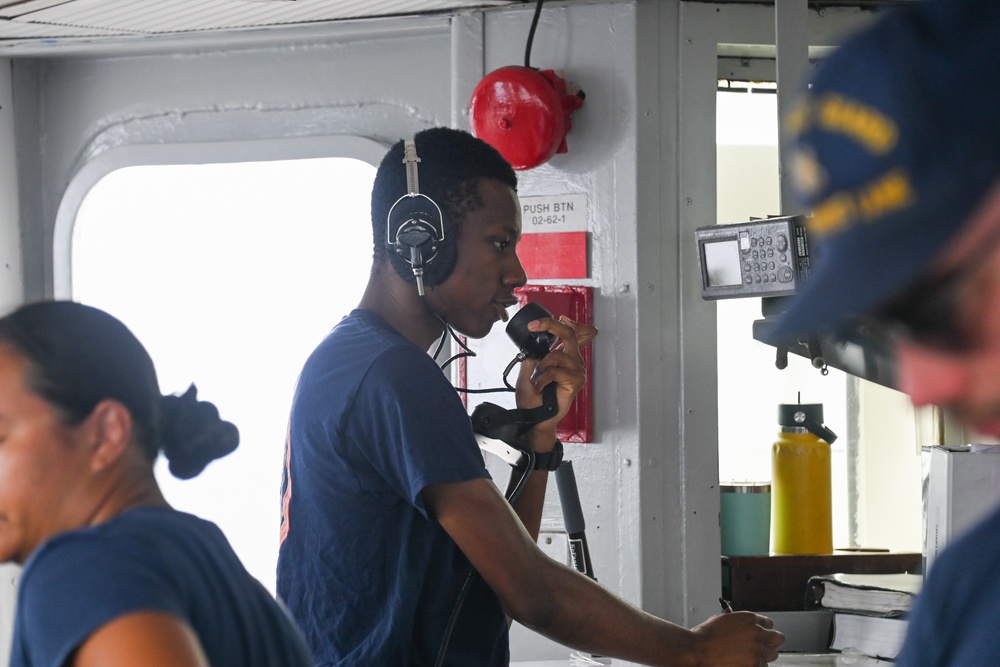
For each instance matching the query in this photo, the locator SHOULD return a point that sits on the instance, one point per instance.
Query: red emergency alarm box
(577, 303)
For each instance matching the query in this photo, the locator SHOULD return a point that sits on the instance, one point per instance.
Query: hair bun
(193, 435)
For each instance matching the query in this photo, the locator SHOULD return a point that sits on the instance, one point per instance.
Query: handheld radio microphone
(532, 344)
(493, 421)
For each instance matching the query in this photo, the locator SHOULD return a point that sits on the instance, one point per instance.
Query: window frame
(332, 146)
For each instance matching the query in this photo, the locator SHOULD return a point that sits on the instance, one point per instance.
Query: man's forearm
(529, 502)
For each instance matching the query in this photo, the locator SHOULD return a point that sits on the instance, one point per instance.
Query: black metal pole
(569, 498)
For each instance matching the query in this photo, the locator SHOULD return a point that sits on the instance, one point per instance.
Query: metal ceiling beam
(791, 45)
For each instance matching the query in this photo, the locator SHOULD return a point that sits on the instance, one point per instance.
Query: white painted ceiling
(46, 27)
(31, 23)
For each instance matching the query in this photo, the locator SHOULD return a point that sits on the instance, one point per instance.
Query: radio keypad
(766, 270)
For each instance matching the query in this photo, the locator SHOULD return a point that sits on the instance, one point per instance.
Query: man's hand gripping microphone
(493, 421)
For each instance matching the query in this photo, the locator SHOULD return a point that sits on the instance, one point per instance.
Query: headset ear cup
(439, 270)
(399, 261)
(417, 221)
(418, 239)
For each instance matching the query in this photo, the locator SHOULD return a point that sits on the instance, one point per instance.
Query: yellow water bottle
(800, 487)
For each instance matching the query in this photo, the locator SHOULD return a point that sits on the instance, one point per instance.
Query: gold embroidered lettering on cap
(807, 174)
(890, 193)
(878, 198)
(863, 123)
(833, 214)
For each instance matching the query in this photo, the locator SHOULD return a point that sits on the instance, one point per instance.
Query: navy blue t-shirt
(371, 578)
(150, 559)
(954, 619)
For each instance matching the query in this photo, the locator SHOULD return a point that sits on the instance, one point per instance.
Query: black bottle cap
(805, 415)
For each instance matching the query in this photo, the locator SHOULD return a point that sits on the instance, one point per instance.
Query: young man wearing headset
(397, 547)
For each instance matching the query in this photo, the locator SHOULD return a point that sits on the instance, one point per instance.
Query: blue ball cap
(893, 147)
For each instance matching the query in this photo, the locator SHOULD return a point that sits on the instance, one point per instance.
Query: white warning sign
(554, 213)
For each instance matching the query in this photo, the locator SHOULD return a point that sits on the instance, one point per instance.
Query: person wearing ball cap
(896, 153)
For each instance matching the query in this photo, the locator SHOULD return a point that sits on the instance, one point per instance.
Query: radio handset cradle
(493, 421)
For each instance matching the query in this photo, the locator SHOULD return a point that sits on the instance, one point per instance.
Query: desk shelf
(778, 583)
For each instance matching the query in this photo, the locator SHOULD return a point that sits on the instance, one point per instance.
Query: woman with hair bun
(114, 576)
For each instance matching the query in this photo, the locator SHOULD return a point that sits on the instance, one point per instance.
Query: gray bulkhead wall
(649, 481)
(649, 497)
(11, 288)
(649, 484)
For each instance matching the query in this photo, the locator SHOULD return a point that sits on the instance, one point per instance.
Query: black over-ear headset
(420, 242)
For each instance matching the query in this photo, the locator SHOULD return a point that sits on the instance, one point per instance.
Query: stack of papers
(874, 636)
(869, 622)
(878, 594)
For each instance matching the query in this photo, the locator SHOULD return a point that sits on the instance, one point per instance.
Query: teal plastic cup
(745, 519)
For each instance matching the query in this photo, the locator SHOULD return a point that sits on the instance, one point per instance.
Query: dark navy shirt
(150, 559)
(368, 574)
(954, 619)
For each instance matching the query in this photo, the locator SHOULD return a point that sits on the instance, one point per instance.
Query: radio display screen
(722, 263)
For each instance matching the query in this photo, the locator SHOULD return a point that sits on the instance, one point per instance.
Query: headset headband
(410, 160)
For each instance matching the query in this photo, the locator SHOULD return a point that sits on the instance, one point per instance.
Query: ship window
(229, 274)
(871, 508)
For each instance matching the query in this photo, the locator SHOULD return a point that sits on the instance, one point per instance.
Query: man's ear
(110, 426)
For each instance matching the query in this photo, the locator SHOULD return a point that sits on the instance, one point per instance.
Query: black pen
(726, 607)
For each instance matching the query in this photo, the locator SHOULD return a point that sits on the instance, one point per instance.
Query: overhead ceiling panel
(161, 16)
(20, 19)
(18, 31)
